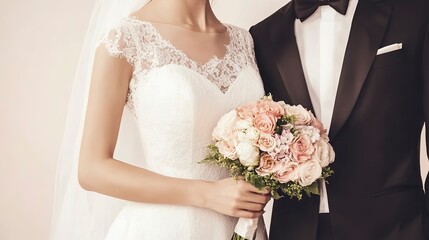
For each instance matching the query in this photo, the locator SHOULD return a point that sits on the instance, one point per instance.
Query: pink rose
(248, 111)
(267, 142)
(287, 172)
(324, 153)
(302, 115)
(265, 123)
(270, 107)
(302, 148)
(267, 165)
(309, 172)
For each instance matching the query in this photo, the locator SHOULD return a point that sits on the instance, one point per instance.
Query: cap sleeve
(118, 42)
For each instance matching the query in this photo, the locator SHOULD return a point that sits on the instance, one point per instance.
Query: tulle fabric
(78, 214)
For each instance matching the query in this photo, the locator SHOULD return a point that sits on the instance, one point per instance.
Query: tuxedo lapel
(286, 54)
(368, 28)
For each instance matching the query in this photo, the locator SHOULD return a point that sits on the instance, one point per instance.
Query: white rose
(324, 153)
(227, 149)
(225, 126)
(249, 134)
(309, 172)
(243, 124)
(248, 154)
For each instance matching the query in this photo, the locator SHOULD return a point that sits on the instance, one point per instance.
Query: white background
(39, 49)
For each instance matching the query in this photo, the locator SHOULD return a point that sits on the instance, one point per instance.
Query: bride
(177, 70)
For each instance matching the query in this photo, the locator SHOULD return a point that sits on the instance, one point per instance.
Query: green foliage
(312, 189)
(235, 236)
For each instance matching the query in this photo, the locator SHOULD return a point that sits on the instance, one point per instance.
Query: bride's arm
(99, 172)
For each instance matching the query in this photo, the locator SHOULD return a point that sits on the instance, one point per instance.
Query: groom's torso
(376, 191)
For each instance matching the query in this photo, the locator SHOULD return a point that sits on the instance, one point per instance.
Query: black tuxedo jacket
(381, 105)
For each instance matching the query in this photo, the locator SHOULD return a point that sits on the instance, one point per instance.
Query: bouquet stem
(245, 229)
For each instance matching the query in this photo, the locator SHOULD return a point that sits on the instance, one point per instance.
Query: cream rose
(267, 142)
(267, 165)
(309, 172)
(248, 154)
(227, 149)
(324, 153)
(287, 172)
(265, 123)
(301, 148)
(225, 125)
(302, 116)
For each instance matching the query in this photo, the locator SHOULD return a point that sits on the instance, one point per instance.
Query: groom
(363, 68)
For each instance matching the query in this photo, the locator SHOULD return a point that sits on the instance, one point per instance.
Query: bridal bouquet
(273, 146)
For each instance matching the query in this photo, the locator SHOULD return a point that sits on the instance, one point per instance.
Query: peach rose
(266, 142)
(287, 172)
(302, 148)
(267, 165)
(265, 123)
(309, 172)
(302, 116)
(248, 111)
(270, 107)
(324, 153)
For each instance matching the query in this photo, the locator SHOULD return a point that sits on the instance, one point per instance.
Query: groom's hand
(236, 198)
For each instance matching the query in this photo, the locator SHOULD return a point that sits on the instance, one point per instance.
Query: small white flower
(250, 135)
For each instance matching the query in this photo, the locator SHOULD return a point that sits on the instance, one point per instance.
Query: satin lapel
(286, 54)
(368, 28)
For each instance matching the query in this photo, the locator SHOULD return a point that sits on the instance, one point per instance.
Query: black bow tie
(305, 8)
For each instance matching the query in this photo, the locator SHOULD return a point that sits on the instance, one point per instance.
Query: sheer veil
(78, 214)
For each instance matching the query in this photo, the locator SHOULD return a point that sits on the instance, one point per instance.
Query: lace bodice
(145, 49)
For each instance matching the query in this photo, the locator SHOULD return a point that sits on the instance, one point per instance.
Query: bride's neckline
(212, 60)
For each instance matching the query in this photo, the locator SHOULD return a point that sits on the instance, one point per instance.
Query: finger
(250, 206)
(248, 214)
(256, 198)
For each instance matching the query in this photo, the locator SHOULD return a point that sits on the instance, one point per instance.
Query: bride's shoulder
(242, 35)
(124, 33)
(128, 25)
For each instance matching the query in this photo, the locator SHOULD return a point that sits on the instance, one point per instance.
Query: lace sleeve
(250, 49)
(118, 42)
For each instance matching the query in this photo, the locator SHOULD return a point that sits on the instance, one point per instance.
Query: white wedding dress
(176, 103)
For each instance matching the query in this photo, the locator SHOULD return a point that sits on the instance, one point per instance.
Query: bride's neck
(197, 14)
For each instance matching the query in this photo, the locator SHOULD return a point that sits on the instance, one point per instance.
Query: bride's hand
(236, 198)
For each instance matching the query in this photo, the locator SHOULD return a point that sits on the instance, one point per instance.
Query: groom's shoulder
(272, 18)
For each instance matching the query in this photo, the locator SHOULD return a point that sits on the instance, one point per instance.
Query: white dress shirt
(322, 40)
